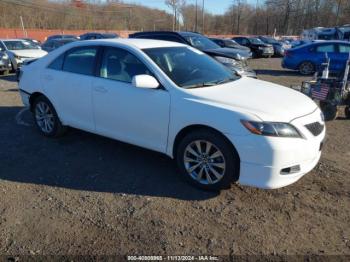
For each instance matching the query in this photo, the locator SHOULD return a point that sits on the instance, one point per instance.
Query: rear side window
(344, 48)
(57, 63)
(80, 60)
(325, 48)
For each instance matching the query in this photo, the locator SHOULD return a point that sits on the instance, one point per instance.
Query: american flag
(320, 92)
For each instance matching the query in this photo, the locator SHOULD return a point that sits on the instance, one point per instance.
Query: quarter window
(80, 60)
(57, 63)
(325, 49)
(118, 64)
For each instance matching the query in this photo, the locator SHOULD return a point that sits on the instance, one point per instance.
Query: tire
(347, 112)
(330, 111)
(5, 72)
(306, 68)
(46, 118)
(205, 172)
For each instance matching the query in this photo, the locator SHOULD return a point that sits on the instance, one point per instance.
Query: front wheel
(330, 111)
(46, 119)
(208, 160)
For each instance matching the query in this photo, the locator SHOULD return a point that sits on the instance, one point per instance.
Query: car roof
(135, 42)
(13, 39)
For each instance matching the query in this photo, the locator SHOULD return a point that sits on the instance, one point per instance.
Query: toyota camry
(220, 128)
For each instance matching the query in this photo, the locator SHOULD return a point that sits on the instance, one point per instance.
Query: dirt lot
(85, 194)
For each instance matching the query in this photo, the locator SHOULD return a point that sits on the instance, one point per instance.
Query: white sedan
(20, 50)
(220, 128)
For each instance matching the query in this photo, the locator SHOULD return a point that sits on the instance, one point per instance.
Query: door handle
(100, 89)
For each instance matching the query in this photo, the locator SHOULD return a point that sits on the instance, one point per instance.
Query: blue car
(308, 58)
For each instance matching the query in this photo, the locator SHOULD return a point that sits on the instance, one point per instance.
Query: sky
(212, 6)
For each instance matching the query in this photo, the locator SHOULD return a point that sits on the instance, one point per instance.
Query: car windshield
(256, 41)
(201, 42)
(19, 45)
(231, 43)
(190, 68)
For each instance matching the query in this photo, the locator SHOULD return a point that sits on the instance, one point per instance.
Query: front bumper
(264, 158)
(5, 65)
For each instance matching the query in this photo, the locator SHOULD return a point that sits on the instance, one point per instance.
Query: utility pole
(22, 25)
(196, 22)
(203, 17)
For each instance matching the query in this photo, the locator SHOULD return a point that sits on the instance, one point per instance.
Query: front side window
(344, 48)
(118, 64)
(80, 60)
(190, 68)
(325, 48)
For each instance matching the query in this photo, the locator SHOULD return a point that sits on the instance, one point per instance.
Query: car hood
(227, 52)
(268, 101)
(29, 53)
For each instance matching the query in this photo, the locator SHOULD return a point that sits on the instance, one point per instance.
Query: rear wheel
(347, 112)
(330, 111)
(207, 160)
(306, 68)
(46, 119)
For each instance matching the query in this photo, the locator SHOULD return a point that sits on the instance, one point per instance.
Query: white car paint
(152, 118)
(17, 57)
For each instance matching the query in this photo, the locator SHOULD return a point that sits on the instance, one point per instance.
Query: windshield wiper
(213, 83)
(201, 85)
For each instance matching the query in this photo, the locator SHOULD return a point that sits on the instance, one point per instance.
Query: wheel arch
(196, 127)
(33, 97)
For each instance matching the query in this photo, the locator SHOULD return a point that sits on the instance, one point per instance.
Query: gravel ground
(85, 194)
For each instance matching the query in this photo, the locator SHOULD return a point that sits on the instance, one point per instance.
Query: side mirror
(145, 81)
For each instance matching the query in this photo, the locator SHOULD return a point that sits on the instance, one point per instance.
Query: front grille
(315, 128)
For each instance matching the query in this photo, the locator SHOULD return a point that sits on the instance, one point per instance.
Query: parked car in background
(33, 41)
(5, 63)
(229, 43)
(176, 100)
(278, 47)
(258, 47)
(297, 43)
(92, 36)
(62, 37)
(20, 50)
(53, 44)
(224, 55)
(308, 58)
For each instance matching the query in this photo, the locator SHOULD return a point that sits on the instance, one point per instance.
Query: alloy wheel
(306, 68)
(204, 162)
(44, 117)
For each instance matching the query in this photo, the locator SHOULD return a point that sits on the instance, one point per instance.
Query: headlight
(3, 56)
(272, 129)
(226, 60)
(261, 48)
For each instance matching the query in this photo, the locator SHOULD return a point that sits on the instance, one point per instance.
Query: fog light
(290, 170)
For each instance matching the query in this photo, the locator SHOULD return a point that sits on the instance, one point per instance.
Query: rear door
(344, 54)
(324, 50)
(68, 82)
